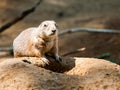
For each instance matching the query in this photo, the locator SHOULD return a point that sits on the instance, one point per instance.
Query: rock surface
(77, 74)
(97, 74)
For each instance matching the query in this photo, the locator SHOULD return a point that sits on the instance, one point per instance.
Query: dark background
(68, 14)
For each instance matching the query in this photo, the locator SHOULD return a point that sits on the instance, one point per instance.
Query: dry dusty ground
(68, 14)
(74, 74)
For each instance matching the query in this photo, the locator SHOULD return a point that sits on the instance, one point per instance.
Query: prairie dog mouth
(53, 33)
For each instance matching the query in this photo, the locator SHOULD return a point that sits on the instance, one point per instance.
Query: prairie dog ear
(40, 25)
(43, 24)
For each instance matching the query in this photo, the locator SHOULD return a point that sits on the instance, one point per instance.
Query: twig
(22, 16)
(6, 49)
(88, 30)
(75, 51)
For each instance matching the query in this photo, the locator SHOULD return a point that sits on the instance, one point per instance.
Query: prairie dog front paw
(45, 60)
(58, 58)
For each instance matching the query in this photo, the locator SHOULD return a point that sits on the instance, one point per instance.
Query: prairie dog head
(48, 29)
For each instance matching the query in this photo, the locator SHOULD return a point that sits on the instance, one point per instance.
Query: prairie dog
(38, 41)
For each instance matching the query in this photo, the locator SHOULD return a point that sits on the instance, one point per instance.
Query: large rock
(79, 74)
(97, 74)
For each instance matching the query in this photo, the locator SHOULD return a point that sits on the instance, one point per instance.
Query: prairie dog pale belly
(49, 46)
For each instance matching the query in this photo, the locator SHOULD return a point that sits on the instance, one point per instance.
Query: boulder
(97, 74)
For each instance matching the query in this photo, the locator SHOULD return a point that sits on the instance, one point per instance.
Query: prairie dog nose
(54, 30)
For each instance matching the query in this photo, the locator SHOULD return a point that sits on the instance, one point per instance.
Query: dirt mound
(97, 74)
(84, 73)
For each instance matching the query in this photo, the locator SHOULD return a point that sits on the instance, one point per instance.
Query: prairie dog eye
(56, 25)
(45, 25)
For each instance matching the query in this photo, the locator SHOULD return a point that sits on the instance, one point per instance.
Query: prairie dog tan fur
(38, 41)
